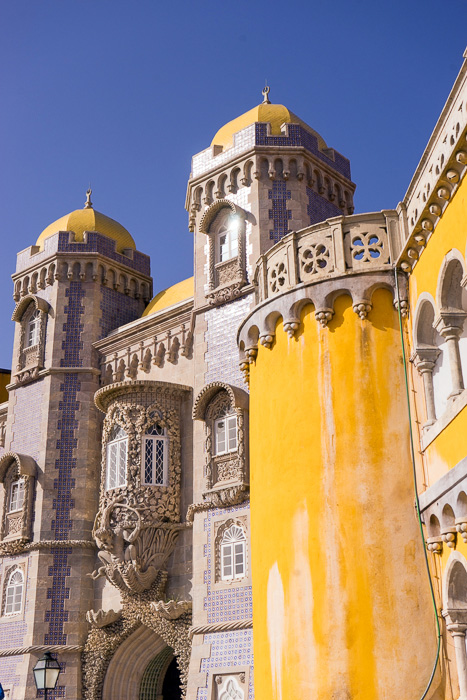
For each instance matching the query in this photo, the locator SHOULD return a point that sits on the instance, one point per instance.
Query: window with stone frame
(224, 224)
(231, 551)
(17, 474)
(31, 313)
(13, 591)
(222, 441)
(155, 456)
(116, 458)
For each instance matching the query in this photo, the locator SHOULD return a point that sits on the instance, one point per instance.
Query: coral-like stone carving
(103, 642)
(102, 618)
(171, 609)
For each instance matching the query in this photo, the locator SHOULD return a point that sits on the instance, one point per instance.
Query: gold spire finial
(88, 203)
(266, 100)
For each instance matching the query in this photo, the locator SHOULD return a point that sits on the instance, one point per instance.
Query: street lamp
(46, 673)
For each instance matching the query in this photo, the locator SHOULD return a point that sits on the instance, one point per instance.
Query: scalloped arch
(453, 567)
(21, 306)
(211, 211)
(238, 398)
(26, 464)
(423, 300)
(453, 255)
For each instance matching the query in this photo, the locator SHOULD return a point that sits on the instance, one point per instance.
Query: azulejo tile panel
(319, 209)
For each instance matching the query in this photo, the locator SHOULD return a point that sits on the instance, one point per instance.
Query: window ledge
(454, 407)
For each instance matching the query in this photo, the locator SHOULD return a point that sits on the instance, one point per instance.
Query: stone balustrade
(336, 247)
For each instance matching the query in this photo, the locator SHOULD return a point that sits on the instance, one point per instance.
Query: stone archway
(161, 678)
(128, 664)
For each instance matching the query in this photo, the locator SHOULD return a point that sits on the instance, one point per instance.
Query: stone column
(450, 325)
(457, 629)
(425, 361)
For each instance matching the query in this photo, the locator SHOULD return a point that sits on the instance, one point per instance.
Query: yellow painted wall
(5, 378)
(340, 595)
(451, 233)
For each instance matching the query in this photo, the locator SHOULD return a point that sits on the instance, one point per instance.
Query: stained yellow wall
(340, 596)
(451, 233)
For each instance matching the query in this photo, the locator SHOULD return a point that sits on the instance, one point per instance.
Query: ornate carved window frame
(17, 525)
(30, 357)
(226, 278)
(137, 525)
(226, 474)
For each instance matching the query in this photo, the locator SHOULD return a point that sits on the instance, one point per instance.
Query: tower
(266, 173)
(81, 279)
(337, 584)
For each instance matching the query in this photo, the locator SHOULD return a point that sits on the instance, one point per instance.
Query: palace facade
(227, 470)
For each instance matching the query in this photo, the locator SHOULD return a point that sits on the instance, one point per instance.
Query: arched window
(117, 448)
(225, 432)
(155, 456)
(233, 553)
(16, 496)
(33, 329)
(14, 592)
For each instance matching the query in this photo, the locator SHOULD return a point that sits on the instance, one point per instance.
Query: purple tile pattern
(227, 649)
(279, 214)
(229, 604)
(67, 424)
(98, 243)
(298, 136)
(222, 352)
(8, 666)
(319, 209)
(117, 309)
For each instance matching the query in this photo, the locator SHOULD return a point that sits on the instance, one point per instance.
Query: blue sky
(122, 94)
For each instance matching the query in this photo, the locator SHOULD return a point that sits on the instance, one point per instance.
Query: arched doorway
(126, 669)
(161, 678)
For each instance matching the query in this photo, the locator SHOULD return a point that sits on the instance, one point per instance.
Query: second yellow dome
(88, 219)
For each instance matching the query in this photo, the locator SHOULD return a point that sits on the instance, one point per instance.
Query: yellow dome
(88, 219)
(170, 296)
(276, 115)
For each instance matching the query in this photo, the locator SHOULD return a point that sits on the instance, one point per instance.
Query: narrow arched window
(33, 329)
(16, 497)
(225, 433)
(155, 456)
(233, 553)
(14, 592)
(117, 448)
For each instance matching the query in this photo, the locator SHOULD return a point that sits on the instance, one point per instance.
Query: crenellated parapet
(95, 258)
(345, 255)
